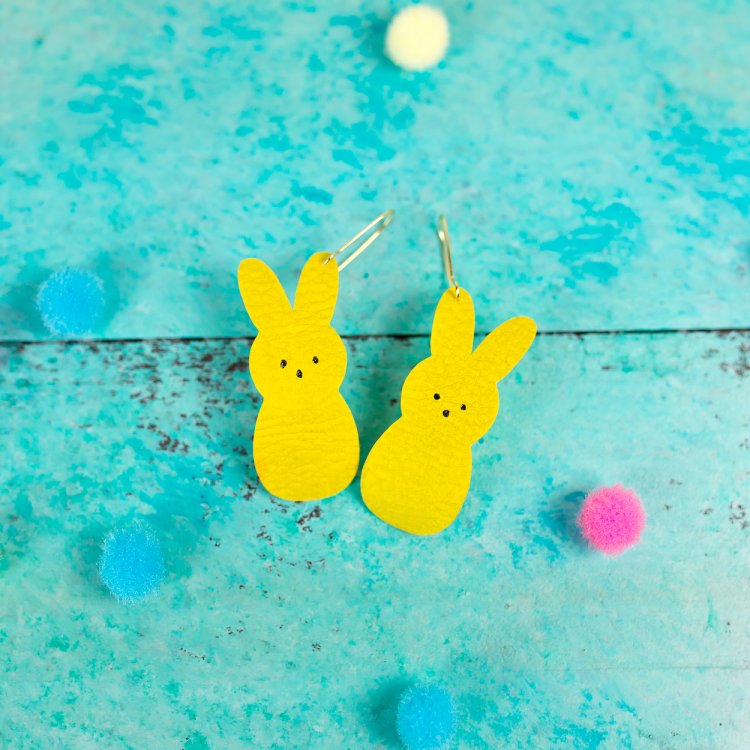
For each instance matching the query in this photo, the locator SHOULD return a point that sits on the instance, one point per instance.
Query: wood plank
(593, 165)
(285, 625)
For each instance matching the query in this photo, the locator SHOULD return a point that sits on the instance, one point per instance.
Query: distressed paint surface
(283, 626)
(594, 162)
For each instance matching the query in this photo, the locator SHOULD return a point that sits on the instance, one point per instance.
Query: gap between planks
(367, 336)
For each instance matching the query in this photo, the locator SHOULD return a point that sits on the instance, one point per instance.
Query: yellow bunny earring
(417, 475)
(306, 445)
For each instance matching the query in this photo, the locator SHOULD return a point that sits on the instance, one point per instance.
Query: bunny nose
(299, 373)
(446, 412)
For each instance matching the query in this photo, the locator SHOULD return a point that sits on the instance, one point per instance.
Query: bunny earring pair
(417, 475)
(306, 445)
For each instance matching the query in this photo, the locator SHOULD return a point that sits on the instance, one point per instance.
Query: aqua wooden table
(594, 163)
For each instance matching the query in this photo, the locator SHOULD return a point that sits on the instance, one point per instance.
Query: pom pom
(70, 301)
(425, 718)
(131, 564)
(417, 37)
(612, 519)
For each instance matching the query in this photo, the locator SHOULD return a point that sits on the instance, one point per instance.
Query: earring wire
(376, 228)
(445, 246)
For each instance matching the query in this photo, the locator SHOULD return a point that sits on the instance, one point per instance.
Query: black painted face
(447, 412)
(450, 396)
(292, 364)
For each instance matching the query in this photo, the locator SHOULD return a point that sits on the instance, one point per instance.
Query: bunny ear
(318, 288)
(453, 327)
(264, 297)
(504, 347)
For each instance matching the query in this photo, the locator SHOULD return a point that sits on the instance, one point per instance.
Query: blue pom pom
(70, 301)
(425, 719)
(131, 564)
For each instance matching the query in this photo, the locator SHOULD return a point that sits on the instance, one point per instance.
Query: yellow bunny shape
(306, 445)
(417, 475)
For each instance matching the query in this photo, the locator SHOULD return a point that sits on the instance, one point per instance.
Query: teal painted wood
(594, 163)
(295, 626)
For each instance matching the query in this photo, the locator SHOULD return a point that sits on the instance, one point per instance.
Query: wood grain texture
(284, 626)
(594, 162)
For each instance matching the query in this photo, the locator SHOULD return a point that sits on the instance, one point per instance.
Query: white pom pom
(417, 37)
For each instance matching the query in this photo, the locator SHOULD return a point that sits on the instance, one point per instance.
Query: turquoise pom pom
(70, 302)
(425, 718)
(131, 564)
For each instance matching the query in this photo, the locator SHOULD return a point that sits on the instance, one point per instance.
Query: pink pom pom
(612, 519)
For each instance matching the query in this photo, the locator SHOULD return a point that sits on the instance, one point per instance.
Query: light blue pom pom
(70, 301)
(425, 719)
(131, 564)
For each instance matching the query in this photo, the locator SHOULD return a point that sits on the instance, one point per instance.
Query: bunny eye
(437, 397)
(315, 360)
(463, 407)
(283, 364)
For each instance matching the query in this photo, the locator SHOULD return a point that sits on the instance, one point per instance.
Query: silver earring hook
(376, 227)
(445, 246)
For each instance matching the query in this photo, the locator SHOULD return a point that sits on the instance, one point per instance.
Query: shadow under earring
(306, 444)
(417, 475)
